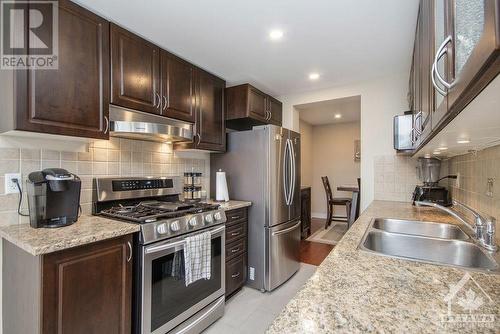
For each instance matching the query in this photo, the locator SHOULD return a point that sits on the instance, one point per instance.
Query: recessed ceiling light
(463, 141)
(436, 152)
(276, 34)
(427, 155)
(314, 76)
(442, 148)
(338, 116)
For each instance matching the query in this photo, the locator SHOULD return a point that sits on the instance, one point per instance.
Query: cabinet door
(439, 94)
(88, 289)
(73, 99)
(177, 88)
(135, 72)
(425, 66)
(210, 121)
(257, 105)
(417, 102)
(236, 273)
(475, 31)
(276, 109)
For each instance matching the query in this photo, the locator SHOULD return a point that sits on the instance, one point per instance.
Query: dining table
(354, 189)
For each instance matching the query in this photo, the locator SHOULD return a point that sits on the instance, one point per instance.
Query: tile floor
(251, 311)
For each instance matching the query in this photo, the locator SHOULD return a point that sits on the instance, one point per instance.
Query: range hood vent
(131, 124)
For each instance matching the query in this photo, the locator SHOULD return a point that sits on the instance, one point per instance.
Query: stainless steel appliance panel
(282, 256)
(158, 291)
(278, 176)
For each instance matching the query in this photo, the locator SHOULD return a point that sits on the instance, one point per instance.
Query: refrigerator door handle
(285, 171)
(293, 169)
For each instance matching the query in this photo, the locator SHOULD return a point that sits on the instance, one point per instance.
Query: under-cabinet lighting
(314, 76)
(463, 141)
(337, 116)
(276, 34)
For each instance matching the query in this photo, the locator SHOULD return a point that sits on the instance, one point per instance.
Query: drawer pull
(235, 217)
(235, 275)
(235, 234)
(234, 250)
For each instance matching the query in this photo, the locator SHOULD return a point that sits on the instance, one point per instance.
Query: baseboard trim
(318, 215)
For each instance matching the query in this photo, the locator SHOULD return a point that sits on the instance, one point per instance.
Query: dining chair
(332, 201)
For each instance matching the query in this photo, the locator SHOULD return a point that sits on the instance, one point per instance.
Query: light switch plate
(11, 187)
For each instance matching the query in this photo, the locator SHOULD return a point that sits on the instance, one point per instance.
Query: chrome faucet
(483, 227)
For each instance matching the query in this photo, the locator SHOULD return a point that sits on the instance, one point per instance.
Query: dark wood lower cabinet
(88, 289)
(305, 214)
(81, 290)
(236, 250)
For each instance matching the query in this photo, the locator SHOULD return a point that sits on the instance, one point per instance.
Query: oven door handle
(159, 248)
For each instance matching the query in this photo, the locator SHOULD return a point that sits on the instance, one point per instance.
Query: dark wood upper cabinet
(210, 128)
(456, 55)
(276, 110)
(257, 104)
(246, 106)
(135, 72)
(72, 100)
(177, 88)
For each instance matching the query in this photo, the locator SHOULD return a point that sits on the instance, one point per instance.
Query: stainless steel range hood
(127, 123)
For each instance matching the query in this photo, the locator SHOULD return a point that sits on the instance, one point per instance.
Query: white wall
(381, 99)
(306, 151)
(333, 156)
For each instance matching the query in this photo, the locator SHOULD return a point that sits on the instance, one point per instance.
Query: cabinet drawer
(237, 215)
(236, 231)
(236, 248)
(236, 273)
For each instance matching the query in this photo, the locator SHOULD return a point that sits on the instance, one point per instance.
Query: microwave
(403, 132)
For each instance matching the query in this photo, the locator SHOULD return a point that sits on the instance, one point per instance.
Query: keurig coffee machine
(53, 198)
(428, 171)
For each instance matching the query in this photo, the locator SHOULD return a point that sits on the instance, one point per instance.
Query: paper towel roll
(221, 193)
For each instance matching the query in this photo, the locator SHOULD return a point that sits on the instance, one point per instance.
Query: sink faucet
(483, 227)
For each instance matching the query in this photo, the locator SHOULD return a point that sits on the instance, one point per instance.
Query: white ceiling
(323, 112)
(344, 41)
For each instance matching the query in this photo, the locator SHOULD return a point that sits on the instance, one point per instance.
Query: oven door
(166, 301)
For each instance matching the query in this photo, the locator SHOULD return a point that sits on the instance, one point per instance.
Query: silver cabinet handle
(130, 251)
(157, 96)
(433, 73)
(234, 250)
(235, 217)
(441, 51)
(165, 102)
(235, 234)
(106, 120)
(235, 275)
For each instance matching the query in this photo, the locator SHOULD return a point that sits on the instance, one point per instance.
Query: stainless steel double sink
(429, 242)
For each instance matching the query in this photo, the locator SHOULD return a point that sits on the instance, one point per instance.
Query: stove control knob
(162, 228)
(193, 221)
(217, 216)
(174, 226)
(209, 218)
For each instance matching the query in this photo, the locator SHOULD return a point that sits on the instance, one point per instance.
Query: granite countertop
(354, 291)
(86, 230)
(231, 205)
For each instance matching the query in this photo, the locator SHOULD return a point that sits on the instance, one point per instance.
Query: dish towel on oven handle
(197, 257)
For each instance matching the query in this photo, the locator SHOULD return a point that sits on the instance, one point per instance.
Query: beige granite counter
(86, 230)
(231, 205)
(354, 291)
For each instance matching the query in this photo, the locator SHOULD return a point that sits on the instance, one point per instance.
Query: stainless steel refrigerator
(263, 166)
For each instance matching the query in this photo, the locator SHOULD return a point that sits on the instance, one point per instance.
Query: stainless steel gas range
(162, 302)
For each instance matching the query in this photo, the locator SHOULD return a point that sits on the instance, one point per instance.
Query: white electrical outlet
(10, 186)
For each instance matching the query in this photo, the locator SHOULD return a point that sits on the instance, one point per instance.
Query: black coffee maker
(428, 172)
(53, 198)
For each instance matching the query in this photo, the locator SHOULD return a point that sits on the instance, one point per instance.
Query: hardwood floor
(314, 252)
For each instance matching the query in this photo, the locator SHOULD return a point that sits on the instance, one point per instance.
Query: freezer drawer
(283, 243)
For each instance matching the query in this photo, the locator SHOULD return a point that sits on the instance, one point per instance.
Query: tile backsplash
(478, 185)
(396, 177)
(114, 157)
